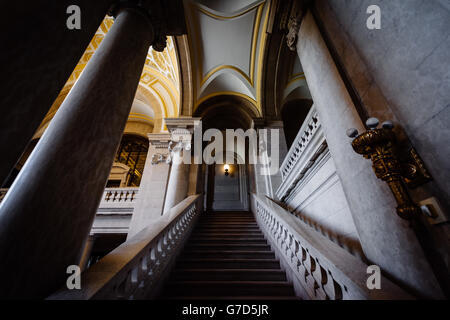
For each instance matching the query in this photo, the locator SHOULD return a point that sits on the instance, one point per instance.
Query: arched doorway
(227, 192)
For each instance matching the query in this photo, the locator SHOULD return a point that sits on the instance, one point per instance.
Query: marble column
(181, 130)
(195, 179)
(386, 239)
(152, 191)
(275, 179)
(177, 187)
(48, 212)
(265, 183)
(38, 55)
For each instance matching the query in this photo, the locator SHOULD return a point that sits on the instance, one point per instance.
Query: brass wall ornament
(380, 146)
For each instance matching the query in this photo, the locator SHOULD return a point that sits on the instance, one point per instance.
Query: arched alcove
(226, 112)
(293, 114)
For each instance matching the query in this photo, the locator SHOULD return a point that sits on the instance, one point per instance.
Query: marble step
(230, 288)
(209, 274)
(191, 263)
(234, 254)
(227, 247)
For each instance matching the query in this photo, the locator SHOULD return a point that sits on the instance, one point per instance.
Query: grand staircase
(227, 257)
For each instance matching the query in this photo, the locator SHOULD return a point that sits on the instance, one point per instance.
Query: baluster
(332, 288)
(291, 249)
(320, 276)
(309, 269)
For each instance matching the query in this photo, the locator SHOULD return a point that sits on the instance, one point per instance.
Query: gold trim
(295, 79)
(216, 69)
(140, 116)
(161, 99)
(218, 17)
(262, 43)
(250, 78)
(226, 93)
(261, 58)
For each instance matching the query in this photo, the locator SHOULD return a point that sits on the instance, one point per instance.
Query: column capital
(298, 9)
(181, 129)
(164, 20)
(159, 140)
(182, 123)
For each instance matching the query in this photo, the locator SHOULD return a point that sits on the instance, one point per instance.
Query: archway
(227, 192)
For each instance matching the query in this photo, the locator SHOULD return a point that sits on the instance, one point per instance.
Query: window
(133, 153)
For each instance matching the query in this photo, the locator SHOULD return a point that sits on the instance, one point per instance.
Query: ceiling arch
(227, 41)
(226, 112)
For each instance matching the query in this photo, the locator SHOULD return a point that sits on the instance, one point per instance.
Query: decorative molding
(158, 158)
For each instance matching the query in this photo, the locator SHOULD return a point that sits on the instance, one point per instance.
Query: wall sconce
(397, 170)
(227, 170)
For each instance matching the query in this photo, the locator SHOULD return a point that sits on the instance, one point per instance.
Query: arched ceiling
(158, 93)
(296, 87)
(227, 42)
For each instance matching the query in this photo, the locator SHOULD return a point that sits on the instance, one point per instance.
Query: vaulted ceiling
(158, 93)
(227, 41)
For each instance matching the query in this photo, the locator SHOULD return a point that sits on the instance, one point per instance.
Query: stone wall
(401, 72)
(319, 201)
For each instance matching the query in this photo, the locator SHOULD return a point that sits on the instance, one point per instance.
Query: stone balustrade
(137, 268)
(115, 210)
(307, 132)
(319, 268)
(119, 195)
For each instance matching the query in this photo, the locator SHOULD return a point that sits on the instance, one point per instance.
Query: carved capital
(292, 36)
(298, 10)
(165, 18)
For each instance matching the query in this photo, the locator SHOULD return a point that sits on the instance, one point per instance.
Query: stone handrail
(323, 269)
(306, 133)
(137, 268)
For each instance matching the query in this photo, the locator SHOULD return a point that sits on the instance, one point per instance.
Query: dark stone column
(48, 212)
(38, 55)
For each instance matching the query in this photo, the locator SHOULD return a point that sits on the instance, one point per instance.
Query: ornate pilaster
(152, 191)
